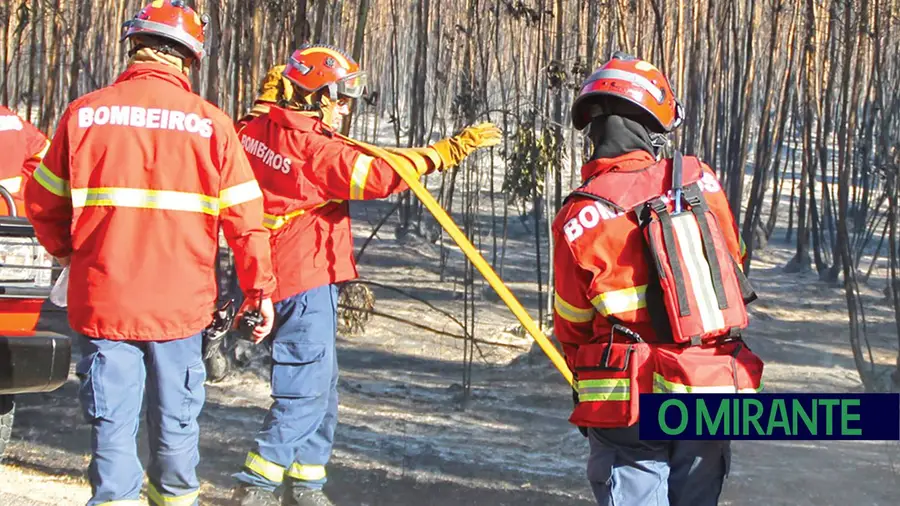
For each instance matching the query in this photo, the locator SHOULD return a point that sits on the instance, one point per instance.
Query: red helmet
(313, 68)
(635, 81)
(172, 20)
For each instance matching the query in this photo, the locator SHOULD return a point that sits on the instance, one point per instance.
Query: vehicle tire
(7, 413)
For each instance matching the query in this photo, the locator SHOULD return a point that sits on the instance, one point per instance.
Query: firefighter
(308, 173)
(636, 314)
(24, 147)
(222, 356)
(136, 182)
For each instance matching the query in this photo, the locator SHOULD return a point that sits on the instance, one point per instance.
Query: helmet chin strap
(660, 142)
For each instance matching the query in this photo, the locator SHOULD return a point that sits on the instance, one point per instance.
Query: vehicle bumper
(34, 362)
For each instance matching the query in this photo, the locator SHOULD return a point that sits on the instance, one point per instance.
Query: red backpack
(704, 292)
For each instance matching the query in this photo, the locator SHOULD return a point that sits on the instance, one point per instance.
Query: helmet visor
(352, 86)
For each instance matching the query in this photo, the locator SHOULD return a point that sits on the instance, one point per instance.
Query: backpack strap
(677, 179)
(665, 221)
(695, 198)
(580, 193)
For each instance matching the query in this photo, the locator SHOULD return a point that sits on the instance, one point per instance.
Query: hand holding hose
(454, 150)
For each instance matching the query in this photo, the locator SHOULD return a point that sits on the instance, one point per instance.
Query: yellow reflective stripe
(621, 301)
(600, 390)
(145, 199)
(43, 152)
(124, 502)
(274, 222)
(157, 498)
(571, 313)
(305, 472)
(51, 182)
(360, 173)
(663, 386)
(12, 184)
(743, 246)
(268, 470)
(240, 193)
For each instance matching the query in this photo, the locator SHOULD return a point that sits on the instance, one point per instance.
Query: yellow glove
(454, 150)
(268, 89)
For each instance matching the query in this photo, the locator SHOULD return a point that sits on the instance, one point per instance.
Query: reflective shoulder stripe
(268, 470)
(51, 182)
(12, 184)
(599, 390)
(662, 385)
(621, 301)
(158, 499)
(361, 168)
(145, 199)
(274, 221)
(571, 313)
(238, 194)
(306, 472)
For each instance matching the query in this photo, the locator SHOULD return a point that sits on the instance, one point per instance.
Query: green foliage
(534, 151)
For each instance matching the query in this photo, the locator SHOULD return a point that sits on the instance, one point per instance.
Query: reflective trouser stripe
(612, 389)
(360, 174)
(51, 182)
(306, 472)
(268, 470)
(12, 184)
(274, 221)
(663, 386)
(159, 499)
(621, 301)
(571, 313)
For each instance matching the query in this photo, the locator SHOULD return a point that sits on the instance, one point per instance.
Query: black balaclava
(614, 135)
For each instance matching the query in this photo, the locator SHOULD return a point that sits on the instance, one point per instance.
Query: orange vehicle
(31, 361)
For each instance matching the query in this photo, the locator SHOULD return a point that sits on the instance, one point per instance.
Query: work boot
(301, 496)
(255, 496)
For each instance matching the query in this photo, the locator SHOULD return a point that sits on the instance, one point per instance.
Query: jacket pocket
(608, 380)
(298, 370)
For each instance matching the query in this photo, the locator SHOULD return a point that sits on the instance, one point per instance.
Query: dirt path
(405, 440)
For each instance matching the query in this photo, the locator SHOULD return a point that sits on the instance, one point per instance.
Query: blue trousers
(625, 471)
(114, 377)
(298, 432)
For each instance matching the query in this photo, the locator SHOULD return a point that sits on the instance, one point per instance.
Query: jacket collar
(155, 71)
(628, 162)
(297, 120)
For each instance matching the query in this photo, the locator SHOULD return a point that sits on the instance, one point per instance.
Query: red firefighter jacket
(23, 146)
(137, 181)
(600, 261)
(307, 173)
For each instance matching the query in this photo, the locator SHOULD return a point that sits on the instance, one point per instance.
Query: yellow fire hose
(412, 179)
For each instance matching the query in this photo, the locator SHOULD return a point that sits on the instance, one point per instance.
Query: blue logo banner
(770, 416)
